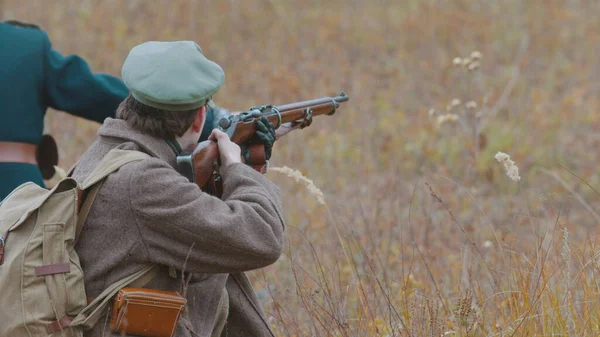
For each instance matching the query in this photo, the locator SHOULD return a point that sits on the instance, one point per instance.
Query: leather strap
(90, 315)
(2, 244)
(58, 325)
(138, 283)
(13, 152)
(85, 205)
(1, 253)
(51, 269)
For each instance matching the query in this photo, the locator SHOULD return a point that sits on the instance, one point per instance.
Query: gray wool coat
(147, 213)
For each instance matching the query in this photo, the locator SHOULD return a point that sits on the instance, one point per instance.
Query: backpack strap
(111, 162)
(90, 315)
(84, 209)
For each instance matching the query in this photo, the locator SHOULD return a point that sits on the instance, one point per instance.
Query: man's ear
(199, 120)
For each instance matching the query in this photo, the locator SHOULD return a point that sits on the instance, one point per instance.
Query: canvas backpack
(42, 289)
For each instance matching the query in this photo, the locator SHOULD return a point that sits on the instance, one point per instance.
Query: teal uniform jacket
(33, 77)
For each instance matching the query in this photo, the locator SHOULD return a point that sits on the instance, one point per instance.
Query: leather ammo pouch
(146, 312)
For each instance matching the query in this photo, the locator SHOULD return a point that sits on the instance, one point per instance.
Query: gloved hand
(265, 134)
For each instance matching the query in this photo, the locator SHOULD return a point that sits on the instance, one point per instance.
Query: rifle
(200, 167)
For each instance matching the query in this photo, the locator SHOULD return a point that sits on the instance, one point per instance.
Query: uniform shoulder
(21, 31)
(149, 168)
(153, 176)
(22, 24)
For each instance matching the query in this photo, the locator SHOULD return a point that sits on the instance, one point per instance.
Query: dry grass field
(422, 232)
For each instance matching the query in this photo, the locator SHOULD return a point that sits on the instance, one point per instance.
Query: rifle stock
(199, 166)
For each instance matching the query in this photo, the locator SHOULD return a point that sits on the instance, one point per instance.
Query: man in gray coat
(147, 213)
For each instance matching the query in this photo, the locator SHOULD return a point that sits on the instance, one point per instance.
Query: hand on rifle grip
(229, 152)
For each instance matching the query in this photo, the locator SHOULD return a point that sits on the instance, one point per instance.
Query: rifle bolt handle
(224, 123)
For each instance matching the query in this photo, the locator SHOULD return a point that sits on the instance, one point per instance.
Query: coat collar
(122, 132)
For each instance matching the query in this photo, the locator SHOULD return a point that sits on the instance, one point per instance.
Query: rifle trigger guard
(307, 118)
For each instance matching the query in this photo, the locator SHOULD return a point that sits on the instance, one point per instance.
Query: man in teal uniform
(33, 77)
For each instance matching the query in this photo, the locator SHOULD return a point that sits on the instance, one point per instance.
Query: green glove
(265, 134)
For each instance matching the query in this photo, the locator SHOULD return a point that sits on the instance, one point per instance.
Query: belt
(12, 152)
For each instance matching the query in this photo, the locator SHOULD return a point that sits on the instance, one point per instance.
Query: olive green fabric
(32, 243)
(40, 228)
(173, 76)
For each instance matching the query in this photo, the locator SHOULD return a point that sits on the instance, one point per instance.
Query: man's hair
(155, 122)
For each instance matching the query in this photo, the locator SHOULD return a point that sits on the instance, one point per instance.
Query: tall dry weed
(300, 178)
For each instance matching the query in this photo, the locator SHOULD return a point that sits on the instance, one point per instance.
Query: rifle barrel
(320, 106)
(313, 102)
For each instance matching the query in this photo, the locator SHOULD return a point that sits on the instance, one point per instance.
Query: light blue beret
(172, 76)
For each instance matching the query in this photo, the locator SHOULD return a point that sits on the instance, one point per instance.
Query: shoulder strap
(85, 208)
(111, 162)
(90, 315)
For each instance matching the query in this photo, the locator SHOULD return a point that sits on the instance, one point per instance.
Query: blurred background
(422, 232)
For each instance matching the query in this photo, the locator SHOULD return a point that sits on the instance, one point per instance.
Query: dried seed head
(453, 103)
(471, 105)
(464, 312)
(441, 119)
(512, 171)
(432, 112)
(446, 118)
(473, 66)
(300, 178)
(476, 55)
(466, 61)
(457, 61)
